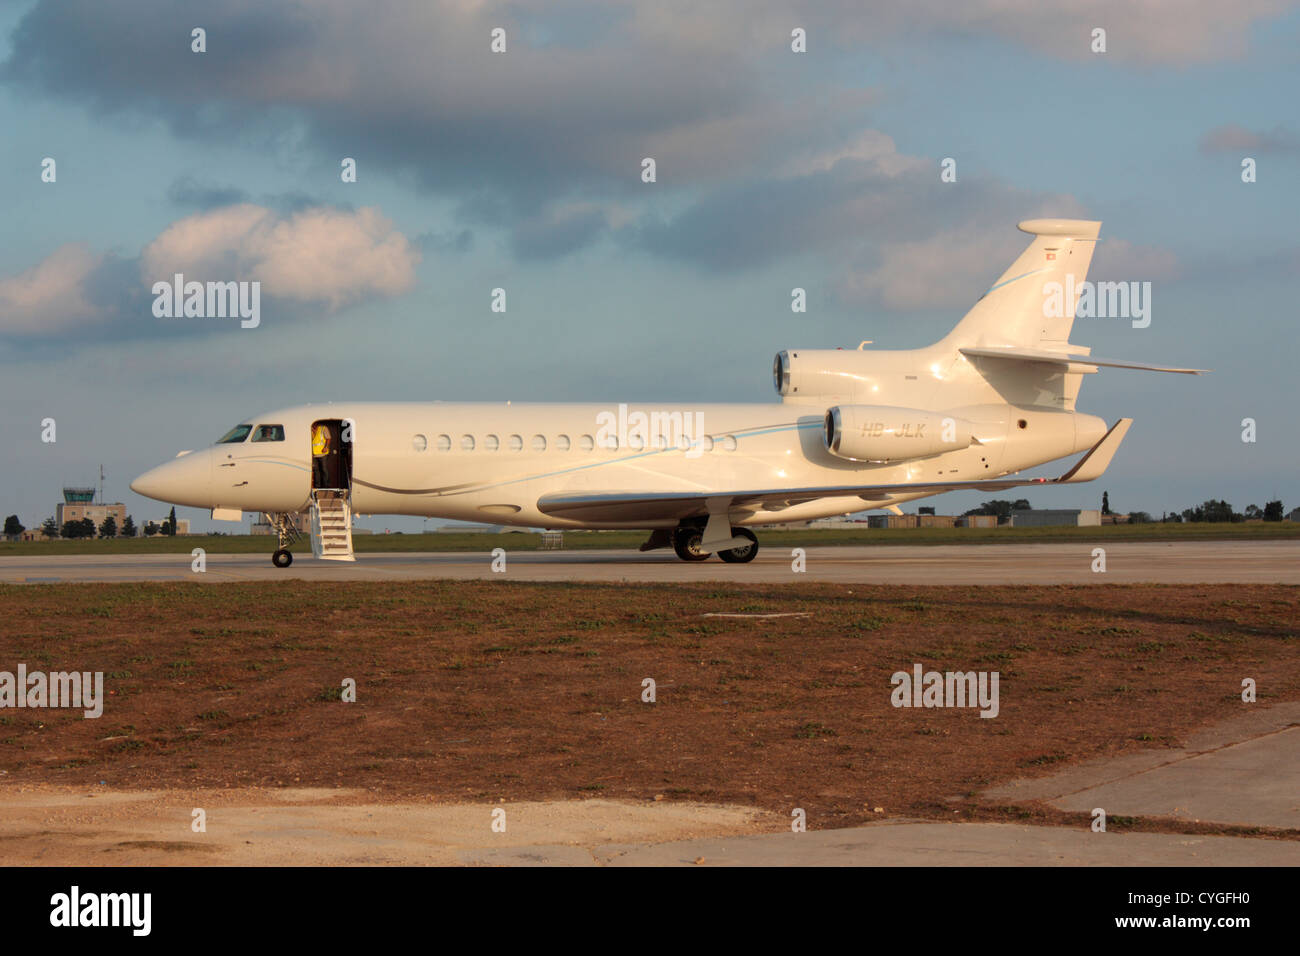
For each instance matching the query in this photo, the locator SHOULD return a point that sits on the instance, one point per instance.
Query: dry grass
(512, 691)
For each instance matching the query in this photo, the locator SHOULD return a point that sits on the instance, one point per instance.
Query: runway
(1201, 562)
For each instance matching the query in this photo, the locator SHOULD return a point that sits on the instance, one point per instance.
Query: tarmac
(1188, 562)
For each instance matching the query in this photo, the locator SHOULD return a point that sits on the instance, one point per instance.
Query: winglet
(1095, 463)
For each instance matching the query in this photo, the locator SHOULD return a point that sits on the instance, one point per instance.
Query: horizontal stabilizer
(1062, 358)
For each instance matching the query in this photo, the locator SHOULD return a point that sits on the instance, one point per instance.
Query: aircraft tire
(742, 555)
(686, 542)
(282, 558)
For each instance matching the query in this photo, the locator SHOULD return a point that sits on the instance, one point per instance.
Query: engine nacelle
(888, 433)
(807, 374)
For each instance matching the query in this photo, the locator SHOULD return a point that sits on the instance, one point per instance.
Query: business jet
(854, 430)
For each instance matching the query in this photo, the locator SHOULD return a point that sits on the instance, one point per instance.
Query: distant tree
(927, 510)
(1105, 502)
(108, 527)
(87, 527)
(1273, 511)
(1021, 504)
(50, 528)
(1219, 511)
(1139, 517)
(77, 529)
(1252, 511)
(1211, 510)
(1173, 517)
(150, 529)
(995, 507)
(128, 527)
(170, 527)
(13, 526)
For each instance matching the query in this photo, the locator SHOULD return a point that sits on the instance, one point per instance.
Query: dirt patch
(61, 826)
(503, 692)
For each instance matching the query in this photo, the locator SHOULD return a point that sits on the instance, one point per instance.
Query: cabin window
(491, 443)
(706, 442)
(235, 435)
(419, 443)
(466, 442)
(729, 442)
(586, 443)
(444, 443)
(268, 433)
(635, 441)
(561, 442)
(539, 443)
(516, 443)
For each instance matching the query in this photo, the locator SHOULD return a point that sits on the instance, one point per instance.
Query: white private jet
(854, 430)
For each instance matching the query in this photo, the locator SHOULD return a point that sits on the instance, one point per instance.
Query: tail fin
(1016, 311)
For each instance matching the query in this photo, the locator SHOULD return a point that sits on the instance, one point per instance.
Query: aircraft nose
(185, 480)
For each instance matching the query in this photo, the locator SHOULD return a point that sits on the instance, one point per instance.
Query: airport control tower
(79, 503)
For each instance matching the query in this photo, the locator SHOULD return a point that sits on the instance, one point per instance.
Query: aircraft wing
(1061, 358)
(633, 506)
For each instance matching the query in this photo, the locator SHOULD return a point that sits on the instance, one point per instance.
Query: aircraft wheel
(686, 542)
(742, 555)
(282, 558)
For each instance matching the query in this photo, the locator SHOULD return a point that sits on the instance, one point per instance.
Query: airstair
(331, 525)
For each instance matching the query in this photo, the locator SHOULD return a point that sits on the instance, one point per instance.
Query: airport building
(913, 521)
(182, 525)
(1056, 517)
(79, 503)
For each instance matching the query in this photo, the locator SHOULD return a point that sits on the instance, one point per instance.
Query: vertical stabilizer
(1019, 310)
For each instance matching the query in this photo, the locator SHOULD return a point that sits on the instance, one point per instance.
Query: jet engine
(887, 433)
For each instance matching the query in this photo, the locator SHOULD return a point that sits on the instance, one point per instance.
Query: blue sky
(521, 170)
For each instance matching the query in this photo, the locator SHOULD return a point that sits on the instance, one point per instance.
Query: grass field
(526, 541)
(509, 691)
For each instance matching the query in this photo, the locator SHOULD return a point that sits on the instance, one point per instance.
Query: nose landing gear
(286, 534)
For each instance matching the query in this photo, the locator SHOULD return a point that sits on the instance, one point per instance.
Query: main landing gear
(286, 534)
(688, 543)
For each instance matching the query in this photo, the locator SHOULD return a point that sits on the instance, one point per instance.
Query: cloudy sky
(522, 170)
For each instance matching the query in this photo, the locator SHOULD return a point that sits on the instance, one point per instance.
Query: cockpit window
(268, 433)
(235, 435)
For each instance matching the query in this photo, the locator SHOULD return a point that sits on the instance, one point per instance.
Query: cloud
(583, 93)
(1232, 138)
(51, 298)
(543, 141)
(305, 260)
(186, 191)
(320, 255)
(1117, 259)
(1155, 32)
(559, 230)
